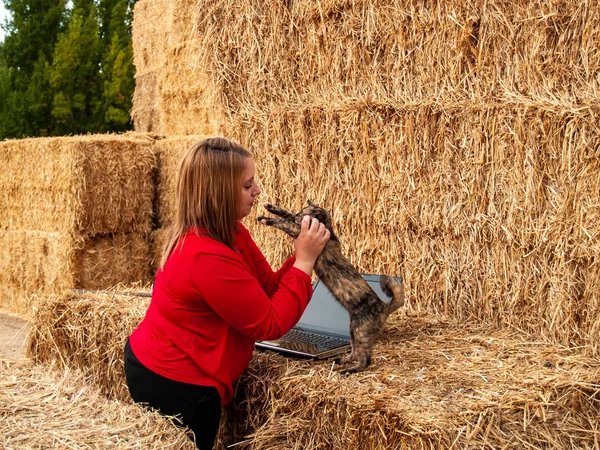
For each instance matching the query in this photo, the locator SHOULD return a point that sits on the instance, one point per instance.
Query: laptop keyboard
(310, 342)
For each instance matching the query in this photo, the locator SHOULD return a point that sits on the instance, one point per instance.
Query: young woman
(215, 294)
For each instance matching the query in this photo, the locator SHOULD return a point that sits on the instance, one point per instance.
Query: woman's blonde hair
(208, 192)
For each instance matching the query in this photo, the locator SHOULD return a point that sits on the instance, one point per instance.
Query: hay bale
(87, 185)
(37, 263)
(88, 331)
(169, 152)
(108, 261)
(149, 58)
(158, 241)
(222, 57)
(76, 212)
(488, 212)
(435, 382)
(41, 408)
(165, 58)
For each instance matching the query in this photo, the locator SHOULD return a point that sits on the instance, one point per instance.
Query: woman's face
(249, 189)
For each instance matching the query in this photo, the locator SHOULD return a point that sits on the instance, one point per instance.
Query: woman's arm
(225, 283)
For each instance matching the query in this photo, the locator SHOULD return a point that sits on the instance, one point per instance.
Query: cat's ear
(310, 203)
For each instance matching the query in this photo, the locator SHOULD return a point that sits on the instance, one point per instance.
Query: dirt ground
(13, 336)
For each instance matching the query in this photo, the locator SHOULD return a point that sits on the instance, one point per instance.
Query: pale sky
(3, 17)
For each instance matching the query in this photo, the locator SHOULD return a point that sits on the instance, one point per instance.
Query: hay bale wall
(76, 213)
(456, 143)
(257, 54)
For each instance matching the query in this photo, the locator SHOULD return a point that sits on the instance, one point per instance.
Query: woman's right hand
(310, 243)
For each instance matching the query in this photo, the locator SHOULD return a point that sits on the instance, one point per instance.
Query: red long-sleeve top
(210, 304)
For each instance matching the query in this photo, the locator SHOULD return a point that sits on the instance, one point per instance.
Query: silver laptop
(323, 329)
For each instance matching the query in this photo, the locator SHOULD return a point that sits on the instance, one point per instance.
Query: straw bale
(152, 34)
(262, 54)
(434, 383)
(169, 152)
(36, 263)
(488, 212)
(43, 409)
(86, 185)
(166, 59)
(158, 241)
(33, 262)
(145, 112)
(115, 259)
(87, 331)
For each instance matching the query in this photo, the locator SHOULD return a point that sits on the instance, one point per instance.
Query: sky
(3, 16)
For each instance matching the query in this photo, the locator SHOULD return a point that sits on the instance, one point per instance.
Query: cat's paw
(350, 370)
(263, 219)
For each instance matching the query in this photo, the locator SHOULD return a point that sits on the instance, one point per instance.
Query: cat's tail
(393, 287)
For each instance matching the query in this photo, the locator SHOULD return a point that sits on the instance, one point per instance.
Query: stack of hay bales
(77, 213)
(455, 143)
(435, 383)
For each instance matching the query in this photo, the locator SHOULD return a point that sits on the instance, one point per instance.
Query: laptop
(324, 328)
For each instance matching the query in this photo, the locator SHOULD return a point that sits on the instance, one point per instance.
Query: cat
(368, 313)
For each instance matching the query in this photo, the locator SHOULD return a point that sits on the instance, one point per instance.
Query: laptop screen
(325, 314)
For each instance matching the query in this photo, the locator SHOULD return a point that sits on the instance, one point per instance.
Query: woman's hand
(310, 243)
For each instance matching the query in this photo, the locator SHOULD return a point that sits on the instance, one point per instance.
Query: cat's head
(321, 214)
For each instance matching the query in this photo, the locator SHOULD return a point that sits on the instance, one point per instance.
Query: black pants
(199, 407)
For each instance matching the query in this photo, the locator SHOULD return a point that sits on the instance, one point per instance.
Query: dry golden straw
(42, 409)
(456, 143)
(434, 383)
(74, 212)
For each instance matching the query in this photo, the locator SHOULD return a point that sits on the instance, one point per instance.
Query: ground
(13, 336)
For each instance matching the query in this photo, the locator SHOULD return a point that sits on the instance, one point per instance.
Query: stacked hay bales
(435, 383)
(456, 143)
(451, 146)
(77, 213)
(170, 78)
(261, 54)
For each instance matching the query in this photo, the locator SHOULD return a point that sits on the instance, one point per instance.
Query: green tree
(32, 33)
(75, 73)
(117, 65)
(66, 67)
(8, 117)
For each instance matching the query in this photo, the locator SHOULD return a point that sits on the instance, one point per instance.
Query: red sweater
(210, 304)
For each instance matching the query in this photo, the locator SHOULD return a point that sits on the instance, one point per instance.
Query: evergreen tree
(8, 106)
(28, 46)
(117, 66)
(66, 67)
(75, 73)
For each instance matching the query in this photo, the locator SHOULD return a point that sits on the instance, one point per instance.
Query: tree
(75, 73)
(117, 66)
(28, 46)
(66, 68)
